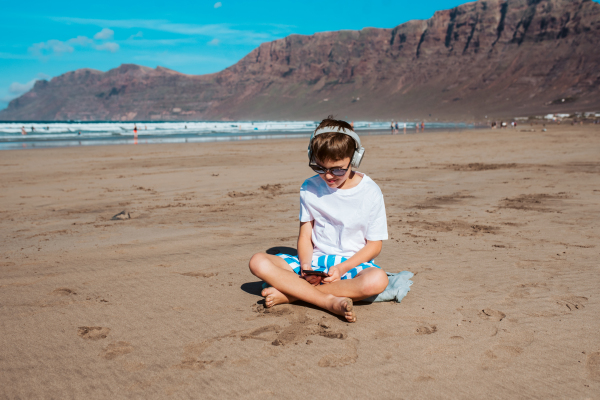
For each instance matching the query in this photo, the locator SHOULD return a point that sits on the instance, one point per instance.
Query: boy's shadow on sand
(256, 287)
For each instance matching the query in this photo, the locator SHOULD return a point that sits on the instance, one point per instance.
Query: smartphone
(317, 273)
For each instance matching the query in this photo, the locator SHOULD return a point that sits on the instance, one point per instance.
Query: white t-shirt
(344, 218)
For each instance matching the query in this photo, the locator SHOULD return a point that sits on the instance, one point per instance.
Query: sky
(42, 39)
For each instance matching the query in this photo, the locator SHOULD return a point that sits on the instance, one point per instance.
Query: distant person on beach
(23, 131)
(392, 126)
(422, 126)
(352, 125)
(342, 226)
(135, 129)
(32, 129)
(397, 127)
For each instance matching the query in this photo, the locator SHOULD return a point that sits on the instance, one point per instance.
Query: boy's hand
(334, 274)
(312, 279)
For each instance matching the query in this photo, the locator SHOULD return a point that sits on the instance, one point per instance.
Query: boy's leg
(273, 296)
(368, 282)
(269, 268)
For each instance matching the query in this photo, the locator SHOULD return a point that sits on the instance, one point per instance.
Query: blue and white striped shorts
(323, 263)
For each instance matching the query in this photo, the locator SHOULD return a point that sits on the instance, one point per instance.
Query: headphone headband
(358, 152)
(345, 131)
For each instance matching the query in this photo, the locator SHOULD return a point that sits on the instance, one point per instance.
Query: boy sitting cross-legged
(342, 224)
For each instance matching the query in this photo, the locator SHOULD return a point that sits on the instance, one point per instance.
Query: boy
(342, 225)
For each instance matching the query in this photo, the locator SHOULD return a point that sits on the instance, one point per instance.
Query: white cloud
(214, 42)
(137, 35)
(105, 34)
(224, 31)
(218, 4)
(54, 46)
(110, 46)
(18, 89)
(49, 47)
(82, 41)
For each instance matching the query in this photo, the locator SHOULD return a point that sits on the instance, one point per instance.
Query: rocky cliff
(492, 57)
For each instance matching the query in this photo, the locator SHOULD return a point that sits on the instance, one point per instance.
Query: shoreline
(195, 138)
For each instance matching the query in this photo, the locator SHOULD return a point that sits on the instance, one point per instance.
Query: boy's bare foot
(344, 306)
(273, 297)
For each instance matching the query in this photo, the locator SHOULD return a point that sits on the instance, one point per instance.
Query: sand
(500, 227)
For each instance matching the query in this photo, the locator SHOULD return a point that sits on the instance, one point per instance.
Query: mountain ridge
(492, 57)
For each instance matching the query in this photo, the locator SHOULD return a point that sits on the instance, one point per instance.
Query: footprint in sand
(500, 356)
(278, 311)
(115, 350)
(200, 274)
(63, 292)
(7, 264)
(93, 332)
(349, 356)
(426, 330)
(256, 333)
(511, 344)
(593, 366)
(491, 315)
(300, 328)
(573, 302)
(123, 215)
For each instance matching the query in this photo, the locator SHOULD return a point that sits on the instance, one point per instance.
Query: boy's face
(333, 181)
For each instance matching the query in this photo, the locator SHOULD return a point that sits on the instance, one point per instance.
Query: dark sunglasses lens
(338, 171)
(317, 169)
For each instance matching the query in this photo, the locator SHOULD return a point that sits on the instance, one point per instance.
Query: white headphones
(358, 152)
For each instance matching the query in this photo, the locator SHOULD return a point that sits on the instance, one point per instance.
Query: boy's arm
(366, 254)
(305, 251)
(305, 245)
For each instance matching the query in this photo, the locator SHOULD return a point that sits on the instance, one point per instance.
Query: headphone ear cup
(357, 157)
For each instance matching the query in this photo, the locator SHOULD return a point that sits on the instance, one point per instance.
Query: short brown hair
(334, 145)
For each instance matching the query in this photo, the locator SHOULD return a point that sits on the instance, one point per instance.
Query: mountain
(492, 57)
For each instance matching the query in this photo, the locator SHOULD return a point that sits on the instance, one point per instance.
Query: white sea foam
(45, 134)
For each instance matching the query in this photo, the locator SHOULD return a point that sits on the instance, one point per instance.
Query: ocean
(27, 135)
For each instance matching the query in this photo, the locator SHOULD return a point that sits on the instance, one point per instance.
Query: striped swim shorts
(323, 263)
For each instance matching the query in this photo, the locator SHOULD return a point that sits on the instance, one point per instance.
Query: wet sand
(501, 228)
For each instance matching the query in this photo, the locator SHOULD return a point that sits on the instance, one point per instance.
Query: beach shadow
(282, 249)
(256, 287)
(252, 287)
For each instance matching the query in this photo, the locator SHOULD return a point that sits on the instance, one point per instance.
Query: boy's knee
(256, 262)
(376, 282)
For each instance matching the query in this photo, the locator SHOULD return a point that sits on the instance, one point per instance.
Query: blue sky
(41, 40)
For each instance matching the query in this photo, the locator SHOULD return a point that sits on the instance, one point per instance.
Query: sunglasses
(334, 171)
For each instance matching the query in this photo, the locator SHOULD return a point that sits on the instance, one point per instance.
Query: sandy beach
(500, 227)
